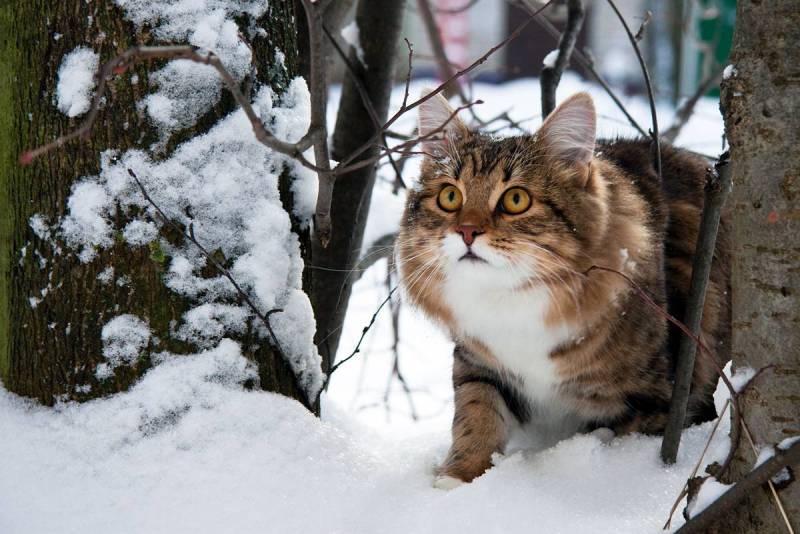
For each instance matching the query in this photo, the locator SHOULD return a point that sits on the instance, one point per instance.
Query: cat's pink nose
(468, 232)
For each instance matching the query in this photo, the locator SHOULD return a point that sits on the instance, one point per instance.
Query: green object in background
(717, 31)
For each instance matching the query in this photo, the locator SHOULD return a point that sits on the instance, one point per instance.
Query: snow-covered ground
(188, 450)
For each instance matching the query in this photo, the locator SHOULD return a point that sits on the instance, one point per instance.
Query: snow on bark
(124, 337)
(187, 90)
(223, 184)
(76, 81)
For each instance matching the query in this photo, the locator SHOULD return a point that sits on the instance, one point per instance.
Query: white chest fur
(511, 325)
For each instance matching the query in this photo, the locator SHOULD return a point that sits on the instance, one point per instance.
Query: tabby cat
(496, 245)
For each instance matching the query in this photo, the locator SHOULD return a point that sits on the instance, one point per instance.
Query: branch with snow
(788, 455)
(557, 61)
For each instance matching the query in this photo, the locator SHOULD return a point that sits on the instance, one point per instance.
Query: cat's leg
(481, 423)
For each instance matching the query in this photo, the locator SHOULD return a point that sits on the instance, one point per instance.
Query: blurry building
(685, 40)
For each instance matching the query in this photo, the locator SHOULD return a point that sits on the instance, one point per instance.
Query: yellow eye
(450, 198)
(516, 200)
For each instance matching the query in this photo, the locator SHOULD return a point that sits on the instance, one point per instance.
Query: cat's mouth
(471, 256)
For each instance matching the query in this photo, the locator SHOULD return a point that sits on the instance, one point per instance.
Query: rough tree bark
(379, 23)
(48, 350)
(761, 106)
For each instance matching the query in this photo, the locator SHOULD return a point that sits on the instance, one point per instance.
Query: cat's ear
(437, 120)
(569, 131)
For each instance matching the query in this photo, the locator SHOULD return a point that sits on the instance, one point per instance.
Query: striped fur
(536, 337)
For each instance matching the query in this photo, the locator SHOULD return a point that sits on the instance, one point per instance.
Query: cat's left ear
(438, 120)
(569, 131)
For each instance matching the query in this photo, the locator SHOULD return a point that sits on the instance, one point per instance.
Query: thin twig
(650, 302)
(551, 74)
(394, 307)
(650, 95)
(685, 489)
(363, 333)
(264, 317)
(728, 500)
(718, 184)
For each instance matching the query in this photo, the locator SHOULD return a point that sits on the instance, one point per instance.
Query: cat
(495, 245)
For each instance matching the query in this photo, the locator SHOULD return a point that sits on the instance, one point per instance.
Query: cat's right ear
(569, 131)
(439, 125)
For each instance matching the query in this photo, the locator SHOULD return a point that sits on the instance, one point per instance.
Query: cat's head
(509, 212)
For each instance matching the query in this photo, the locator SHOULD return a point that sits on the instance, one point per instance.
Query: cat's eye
(450, 198)
(515, 201)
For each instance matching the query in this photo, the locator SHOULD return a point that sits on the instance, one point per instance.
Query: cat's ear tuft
(569, 131)
(436, 120)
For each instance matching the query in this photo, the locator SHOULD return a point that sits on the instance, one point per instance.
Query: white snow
(138, 232)
(550, 59)
(188, 450)
(86, 225)
(729, 71)
(76, 81)
(351, 36)
(710, 491)
(39, 226)
(124, 339)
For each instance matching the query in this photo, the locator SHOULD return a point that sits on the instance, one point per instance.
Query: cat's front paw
(446, 482)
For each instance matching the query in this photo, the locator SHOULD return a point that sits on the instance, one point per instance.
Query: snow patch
(138, 232)
(351, 36)
(710, 491)
(87, 224)
(76, 81)
(729, 72)
(187, 90)
(124, 338)
(549, 60)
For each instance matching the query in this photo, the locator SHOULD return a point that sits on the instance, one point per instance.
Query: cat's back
(677, 202)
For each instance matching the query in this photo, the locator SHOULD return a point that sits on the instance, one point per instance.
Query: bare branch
(319, 104)
(718, 184)
(756, 478)
(650, 96)
(264, 317)
(551, 75)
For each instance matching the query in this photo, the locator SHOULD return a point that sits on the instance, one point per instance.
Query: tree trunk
(379, 23)
(49, 346)
(761, 103)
